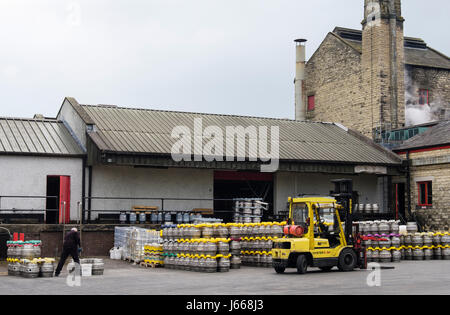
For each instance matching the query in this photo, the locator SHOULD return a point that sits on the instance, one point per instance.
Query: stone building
(428, 155)
(376, 80)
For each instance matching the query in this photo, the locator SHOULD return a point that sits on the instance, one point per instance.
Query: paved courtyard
(408, 277)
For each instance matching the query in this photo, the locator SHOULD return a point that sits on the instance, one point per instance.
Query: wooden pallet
(132, 261)
(203, 211)
(150, 265)
(144, 208)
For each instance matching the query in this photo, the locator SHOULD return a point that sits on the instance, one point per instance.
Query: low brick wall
(96, 239)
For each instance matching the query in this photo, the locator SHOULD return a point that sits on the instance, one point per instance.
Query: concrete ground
(408, 277)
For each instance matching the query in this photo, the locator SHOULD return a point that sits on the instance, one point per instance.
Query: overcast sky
(214, 56)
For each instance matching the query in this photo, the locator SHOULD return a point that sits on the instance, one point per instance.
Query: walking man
(70, 247)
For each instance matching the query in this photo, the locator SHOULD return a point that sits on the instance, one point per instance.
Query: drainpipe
(408, 184)
(83, 190)
(90, 194)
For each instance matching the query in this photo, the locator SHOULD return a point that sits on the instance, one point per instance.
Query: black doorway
(52, 202)
(230, 185)
(400, 201)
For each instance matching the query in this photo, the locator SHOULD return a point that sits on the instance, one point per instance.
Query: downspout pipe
(408, 184)
(83, 191)
(89, 193)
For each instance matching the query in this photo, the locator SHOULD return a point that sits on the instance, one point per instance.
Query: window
(424, 97)
(425, 193)
(311, 102)
(299, 213)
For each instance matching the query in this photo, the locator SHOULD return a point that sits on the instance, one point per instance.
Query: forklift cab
(322, 213)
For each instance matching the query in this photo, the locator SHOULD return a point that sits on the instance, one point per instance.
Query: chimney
(38, 116)
(393, 60)
(300, 56)
(383, 64)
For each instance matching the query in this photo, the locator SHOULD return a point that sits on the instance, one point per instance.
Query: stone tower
(383, 65)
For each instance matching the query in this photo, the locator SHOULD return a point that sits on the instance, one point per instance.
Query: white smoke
(416, 114)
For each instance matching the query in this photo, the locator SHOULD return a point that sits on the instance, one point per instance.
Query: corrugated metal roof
(435, 136)
(36, 136)
(127, 130)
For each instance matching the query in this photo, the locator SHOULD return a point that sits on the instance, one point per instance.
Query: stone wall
(334, 77)
(353, 88)
(431, 166)
(376, 74)
(437, 81)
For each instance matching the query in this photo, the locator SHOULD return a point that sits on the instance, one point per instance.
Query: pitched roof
(144, 131)
(417, 53)
(36, 137)
(435, 136)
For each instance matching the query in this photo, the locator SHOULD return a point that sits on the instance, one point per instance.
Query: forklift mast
(346, 197)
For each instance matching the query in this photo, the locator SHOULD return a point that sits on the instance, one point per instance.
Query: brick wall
(96, 240)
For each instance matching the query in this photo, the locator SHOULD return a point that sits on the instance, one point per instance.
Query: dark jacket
(72, 240)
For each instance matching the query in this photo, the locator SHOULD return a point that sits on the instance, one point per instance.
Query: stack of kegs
(203, 255)
(389, 241)
(24, 249)
(367, 208)
(194, 246)
(248, 210)
(31, 268)
(153, 254)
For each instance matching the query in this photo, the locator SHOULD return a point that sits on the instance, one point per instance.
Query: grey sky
(215, 56)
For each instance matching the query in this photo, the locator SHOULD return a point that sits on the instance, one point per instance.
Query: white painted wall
(292, 184)
(126, 182)
(27, 176)
(74, 121)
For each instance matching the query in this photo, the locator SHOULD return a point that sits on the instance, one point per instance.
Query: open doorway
(230, 184)
(58, 199)
(400, 198)
(52, 204)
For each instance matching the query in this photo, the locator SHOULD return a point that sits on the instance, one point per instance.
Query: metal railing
(97, 206)
(8, 213)
(125, 204)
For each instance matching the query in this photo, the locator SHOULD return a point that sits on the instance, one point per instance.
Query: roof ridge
(53, 120)
(360, 31)
(199, 113)
(414, 142)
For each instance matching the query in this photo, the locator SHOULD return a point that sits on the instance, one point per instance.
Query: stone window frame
(308, 107)
(424, 203)
(427, 96)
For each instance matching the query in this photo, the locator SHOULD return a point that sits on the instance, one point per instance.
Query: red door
(64, 199)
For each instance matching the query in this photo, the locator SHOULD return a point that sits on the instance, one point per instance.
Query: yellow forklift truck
(320, 233)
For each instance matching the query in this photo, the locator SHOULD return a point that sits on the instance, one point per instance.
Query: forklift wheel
(302, 264)
(347, 260)
(279, 269)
